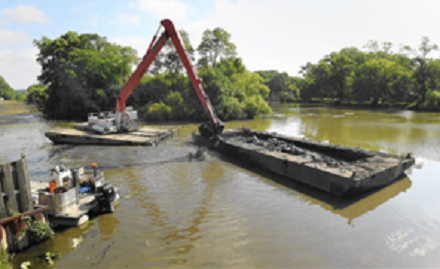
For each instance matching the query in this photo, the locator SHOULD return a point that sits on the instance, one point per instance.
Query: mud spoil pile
(277, 145)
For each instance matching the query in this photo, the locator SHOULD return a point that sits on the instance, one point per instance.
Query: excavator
(125, 119)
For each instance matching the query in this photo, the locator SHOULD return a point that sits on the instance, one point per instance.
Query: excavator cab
(129, 120)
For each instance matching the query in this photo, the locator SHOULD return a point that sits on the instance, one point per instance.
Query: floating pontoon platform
(144, 136)
(335, 169)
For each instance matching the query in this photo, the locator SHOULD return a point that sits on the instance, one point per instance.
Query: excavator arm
(215, 126)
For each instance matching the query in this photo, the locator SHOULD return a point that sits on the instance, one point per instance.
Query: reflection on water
(388, 130)
(220, 213)
(352, 208)
(108, 225)
(347, 207)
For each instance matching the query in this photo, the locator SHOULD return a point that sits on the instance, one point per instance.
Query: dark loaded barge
(339, 170)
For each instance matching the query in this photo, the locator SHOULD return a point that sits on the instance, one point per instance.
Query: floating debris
(128, 196)
(199, 155)
(107, 249)
(25, 265)
(49, 257)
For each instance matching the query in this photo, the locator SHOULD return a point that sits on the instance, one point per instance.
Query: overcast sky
(269, 34)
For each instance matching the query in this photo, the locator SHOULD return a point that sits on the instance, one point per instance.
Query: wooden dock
(15, 203)
(144, 136)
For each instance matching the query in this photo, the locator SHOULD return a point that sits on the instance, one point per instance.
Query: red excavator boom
(212, 128)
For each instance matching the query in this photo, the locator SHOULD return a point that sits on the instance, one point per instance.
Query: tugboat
(74, 195)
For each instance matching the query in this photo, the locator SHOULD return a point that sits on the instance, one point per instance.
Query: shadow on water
(104, 165)
(347, 207)
(189, 155)
(59, 150)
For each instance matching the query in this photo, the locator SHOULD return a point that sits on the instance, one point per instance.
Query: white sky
(269, 34)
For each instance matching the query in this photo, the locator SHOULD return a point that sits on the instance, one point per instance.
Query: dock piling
(15, 202)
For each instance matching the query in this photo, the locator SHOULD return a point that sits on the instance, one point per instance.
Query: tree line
(376, 76)
(8, 93)
(84, 73)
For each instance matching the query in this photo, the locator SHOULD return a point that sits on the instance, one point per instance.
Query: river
(218, 213)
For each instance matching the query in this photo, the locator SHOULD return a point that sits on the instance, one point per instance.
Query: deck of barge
(339, 170)
(144, 136)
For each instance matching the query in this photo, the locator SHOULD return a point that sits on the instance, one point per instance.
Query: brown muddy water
(221, 213)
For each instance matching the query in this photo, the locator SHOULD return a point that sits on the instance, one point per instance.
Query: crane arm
(128, 88)
(192, 73)
(152, 52)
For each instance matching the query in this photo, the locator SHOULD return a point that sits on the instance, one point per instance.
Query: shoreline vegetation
(365, 105)
(84, 73)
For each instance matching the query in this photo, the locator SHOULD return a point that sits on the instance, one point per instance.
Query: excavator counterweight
(125, 118)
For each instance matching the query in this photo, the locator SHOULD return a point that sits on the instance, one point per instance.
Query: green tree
(234, 92)
(22, 97)
(215, 46)
(432, 95)
(37, 95)
(350, 75)
(83, 73)
(6, 92)
(159, 111)
(375, 47)
(282, 86)
(423, 71)
(341, 72)
(168, 60)
(381, 79)
(151, 89)
(237, 93)
(331, 77)
(316, 79)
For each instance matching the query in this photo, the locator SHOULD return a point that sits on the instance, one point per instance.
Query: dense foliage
(282, 86)
(234, 92)
(84, 73)
(37, 94)
(4, 260)
(215, 46)
(6, 92)
(377, 76)
(21, 95)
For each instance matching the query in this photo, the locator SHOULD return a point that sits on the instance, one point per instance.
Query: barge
(342, 171)
(83, 135)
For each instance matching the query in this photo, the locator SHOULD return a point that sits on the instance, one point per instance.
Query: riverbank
(367, 105)
(16, 108)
